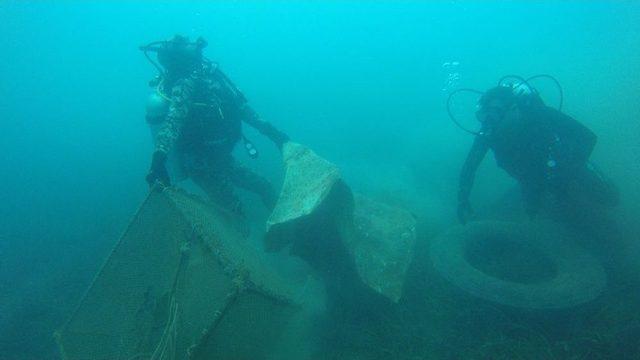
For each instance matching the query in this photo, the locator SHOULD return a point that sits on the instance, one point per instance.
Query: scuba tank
(157, 108)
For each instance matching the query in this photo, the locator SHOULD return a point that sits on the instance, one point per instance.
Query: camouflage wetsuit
(203, 124)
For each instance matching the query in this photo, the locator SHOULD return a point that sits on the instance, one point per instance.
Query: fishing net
(183, 283)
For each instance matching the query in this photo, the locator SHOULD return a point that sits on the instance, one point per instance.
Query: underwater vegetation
(436, 321)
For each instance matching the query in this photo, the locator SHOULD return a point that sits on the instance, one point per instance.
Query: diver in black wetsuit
(545, 150)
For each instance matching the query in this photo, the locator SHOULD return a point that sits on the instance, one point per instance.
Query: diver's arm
(252, 118)
(178, 110)
(467, 175)
(171, 128)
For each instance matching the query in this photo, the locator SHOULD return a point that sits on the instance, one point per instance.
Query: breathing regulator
(521, 88)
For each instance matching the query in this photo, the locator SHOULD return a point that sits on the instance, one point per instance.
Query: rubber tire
(579, 278)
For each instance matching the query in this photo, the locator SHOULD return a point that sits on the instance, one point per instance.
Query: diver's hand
(161, 178)
(158, 172)
(464, 211)
(282, 145)
(281, 139)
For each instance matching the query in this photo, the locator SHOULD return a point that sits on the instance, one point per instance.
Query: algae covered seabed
(436, 321)
(433, 320)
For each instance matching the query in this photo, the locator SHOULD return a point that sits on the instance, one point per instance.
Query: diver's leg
(217, 184)
(594, 187)
(585, 195)
(249, 180)
(533, 197)
(586, 200)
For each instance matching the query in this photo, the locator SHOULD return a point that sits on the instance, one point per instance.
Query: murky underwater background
(364, 84)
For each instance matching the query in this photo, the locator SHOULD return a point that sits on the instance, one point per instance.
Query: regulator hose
(452, 117)
(522, 80)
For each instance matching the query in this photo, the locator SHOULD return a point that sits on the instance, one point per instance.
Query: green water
(363, 83)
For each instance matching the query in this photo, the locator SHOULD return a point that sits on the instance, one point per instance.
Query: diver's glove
(280, 139)
(464, 211)
(158, 172)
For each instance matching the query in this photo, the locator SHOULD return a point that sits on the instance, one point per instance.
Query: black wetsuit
(545, 150)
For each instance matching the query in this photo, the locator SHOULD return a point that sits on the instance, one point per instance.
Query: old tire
(576, 277)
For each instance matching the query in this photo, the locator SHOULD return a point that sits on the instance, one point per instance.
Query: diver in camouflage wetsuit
(198, 114)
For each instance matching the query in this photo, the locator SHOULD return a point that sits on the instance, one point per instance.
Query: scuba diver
(545, 150)
(196, 116)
